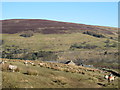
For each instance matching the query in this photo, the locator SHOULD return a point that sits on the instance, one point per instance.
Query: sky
(60, 0)
(92, 13)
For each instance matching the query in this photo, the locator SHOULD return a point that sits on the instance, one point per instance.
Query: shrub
(29, 56)
(107, 41)
(110, 44)
(12, 51)
(32, 72)
(46, 55)
(111, 38)
(15, 52)
(27, 34)
(94, 34)
(113, 45)
(83, 46)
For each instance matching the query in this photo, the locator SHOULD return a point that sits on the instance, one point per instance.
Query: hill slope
(48, 39)
(67, 76)
(50, 27)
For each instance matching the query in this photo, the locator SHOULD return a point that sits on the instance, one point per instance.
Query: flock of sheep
(60, 67)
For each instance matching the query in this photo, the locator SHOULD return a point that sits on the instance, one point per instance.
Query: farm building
(70, 62)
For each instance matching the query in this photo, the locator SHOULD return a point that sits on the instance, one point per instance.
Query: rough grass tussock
(5, 67)
(32, 72)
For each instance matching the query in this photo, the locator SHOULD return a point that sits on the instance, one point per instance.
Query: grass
(62, 42)
(32, 72)
(52, 42)
(49, 78)
(42, 77)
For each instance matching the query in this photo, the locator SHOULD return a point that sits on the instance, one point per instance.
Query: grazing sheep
(26, 63)
(106, 77)
(13, 67)
(3, 62)
(111, 78)
(32, 63)
(41, 64)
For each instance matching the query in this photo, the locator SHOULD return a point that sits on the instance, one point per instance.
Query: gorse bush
(83, 46)
(43, 55)
(46, 55)
(27, 34)
(107, 41)
(12, 51)
(110, 44)
(94, 34)
(15, 52)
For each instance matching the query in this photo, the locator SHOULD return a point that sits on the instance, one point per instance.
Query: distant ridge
(12, 26)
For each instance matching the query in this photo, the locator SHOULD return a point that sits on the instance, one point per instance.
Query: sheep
(3, 62)
(12, 67)
(41, 64)
(109, 77)
(32, 63)
(112, 78)
(26, 63)
(106, 77)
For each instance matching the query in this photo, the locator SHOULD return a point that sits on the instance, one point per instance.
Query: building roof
(70, 62)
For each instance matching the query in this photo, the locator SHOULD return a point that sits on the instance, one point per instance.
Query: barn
(70, 62)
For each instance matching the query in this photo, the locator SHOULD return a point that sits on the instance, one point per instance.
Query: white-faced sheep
(26, 63)
(3, 62)
(109, 78)
(106, 77)
(41, 64)
(12, 67)
(32, 63)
